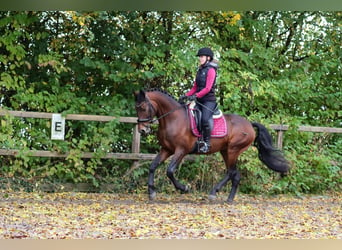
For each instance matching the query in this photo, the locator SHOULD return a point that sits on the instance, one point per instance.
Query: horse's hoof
(152, 196)
(212, 197)
(229, 201)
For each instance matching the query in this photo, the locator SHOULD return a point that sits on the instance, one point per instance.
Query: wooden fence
(135, 155)
(280, 129)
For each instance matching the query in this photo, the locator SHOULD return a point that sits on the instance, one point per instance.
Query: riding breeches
(207, 109)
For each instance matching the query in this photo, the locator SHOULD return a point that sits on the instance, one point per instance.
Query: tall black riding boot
(205, 146)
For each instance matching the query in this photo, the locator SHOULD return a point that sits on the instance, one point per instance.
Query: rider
(203, 90)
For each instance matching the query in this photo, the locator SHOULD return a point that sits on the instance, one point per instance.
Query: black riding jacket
(201, 78)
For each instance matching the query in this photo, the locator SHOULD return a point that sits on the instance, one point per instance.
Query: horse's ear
(139, 95)
(142, 94)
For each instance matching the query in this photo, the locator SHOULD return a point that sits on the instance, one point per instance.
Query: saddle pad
(219, 129)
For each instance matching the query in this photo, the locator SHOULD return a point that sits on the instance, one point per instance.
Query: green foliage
(313, 172)
(275, 67)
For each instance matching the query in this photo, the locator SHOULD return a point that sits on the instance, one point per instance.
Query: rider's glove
(192, 98)
(182, 99)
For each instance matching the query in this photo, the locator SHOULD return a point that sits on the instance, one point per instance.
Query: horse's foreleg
(172, 169)
(160, 158)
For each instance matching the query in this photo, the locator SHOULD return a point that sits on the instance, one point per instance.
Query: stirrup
(203, 147)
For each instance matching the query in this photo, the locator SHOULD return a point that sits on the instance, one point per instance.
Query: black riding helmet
(205, 52)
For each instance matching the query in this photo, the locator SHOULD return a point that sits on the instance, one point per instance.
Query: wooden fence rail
(280, 129)
(135, 155)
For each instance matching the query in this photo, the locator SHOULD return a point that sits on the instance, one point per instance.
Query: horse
(177, 140)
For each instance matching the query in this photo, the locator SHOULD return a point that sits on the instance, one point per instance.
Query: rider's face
(202, 59)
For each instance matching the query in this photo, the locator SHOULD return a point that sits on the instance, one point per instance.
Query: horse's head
(145, 112)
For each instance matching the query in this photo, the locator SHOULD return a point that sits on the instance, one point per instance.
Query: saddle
(218, 122)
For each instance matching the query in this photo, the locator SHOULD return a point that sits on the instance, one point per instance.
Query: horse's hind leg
(231, 174)
(235, 175)
(218, 187)
(223, 182)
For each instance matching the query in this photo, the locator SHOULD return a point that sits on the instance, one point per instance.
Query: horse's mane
(161, 91)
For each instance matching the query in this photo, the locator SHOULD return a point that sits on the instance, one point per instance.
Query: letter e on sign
(57, 127)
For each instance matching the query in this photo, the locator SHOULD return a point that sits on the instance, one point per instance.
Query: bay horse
(176, 138)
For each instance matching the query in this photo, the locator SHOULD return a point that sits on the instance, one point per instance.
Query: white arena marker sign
(57, 127)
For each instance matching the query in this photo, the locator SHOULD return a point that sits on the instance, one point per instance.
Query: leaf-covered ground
(106, 216)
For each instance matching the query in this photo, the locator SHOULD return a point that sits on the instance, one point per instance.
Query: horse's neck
(163, 104)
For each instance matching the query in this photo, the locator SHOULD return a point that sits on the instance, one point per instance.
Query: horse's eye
(141, 109)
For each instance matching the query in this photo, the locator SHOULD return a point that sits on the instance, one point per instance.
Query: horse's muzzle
(144, 130)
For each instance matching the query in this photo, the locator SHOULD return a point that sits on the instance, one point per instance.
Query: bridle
(150, 108)
(150, 118)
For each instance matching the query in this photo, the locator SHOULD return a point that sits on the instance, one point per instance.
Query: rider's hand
(182, 99)
(192, 98)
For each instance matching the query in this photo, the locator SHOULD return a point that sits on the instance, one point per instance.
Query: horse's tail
(273, 158)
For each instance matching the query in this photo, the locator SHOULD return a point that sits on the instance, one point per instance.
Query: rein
(205, 106)
(150, 120)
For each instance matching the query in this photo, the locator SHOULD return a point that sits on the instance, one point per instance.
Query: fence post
(280, 134)
(136, 140)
